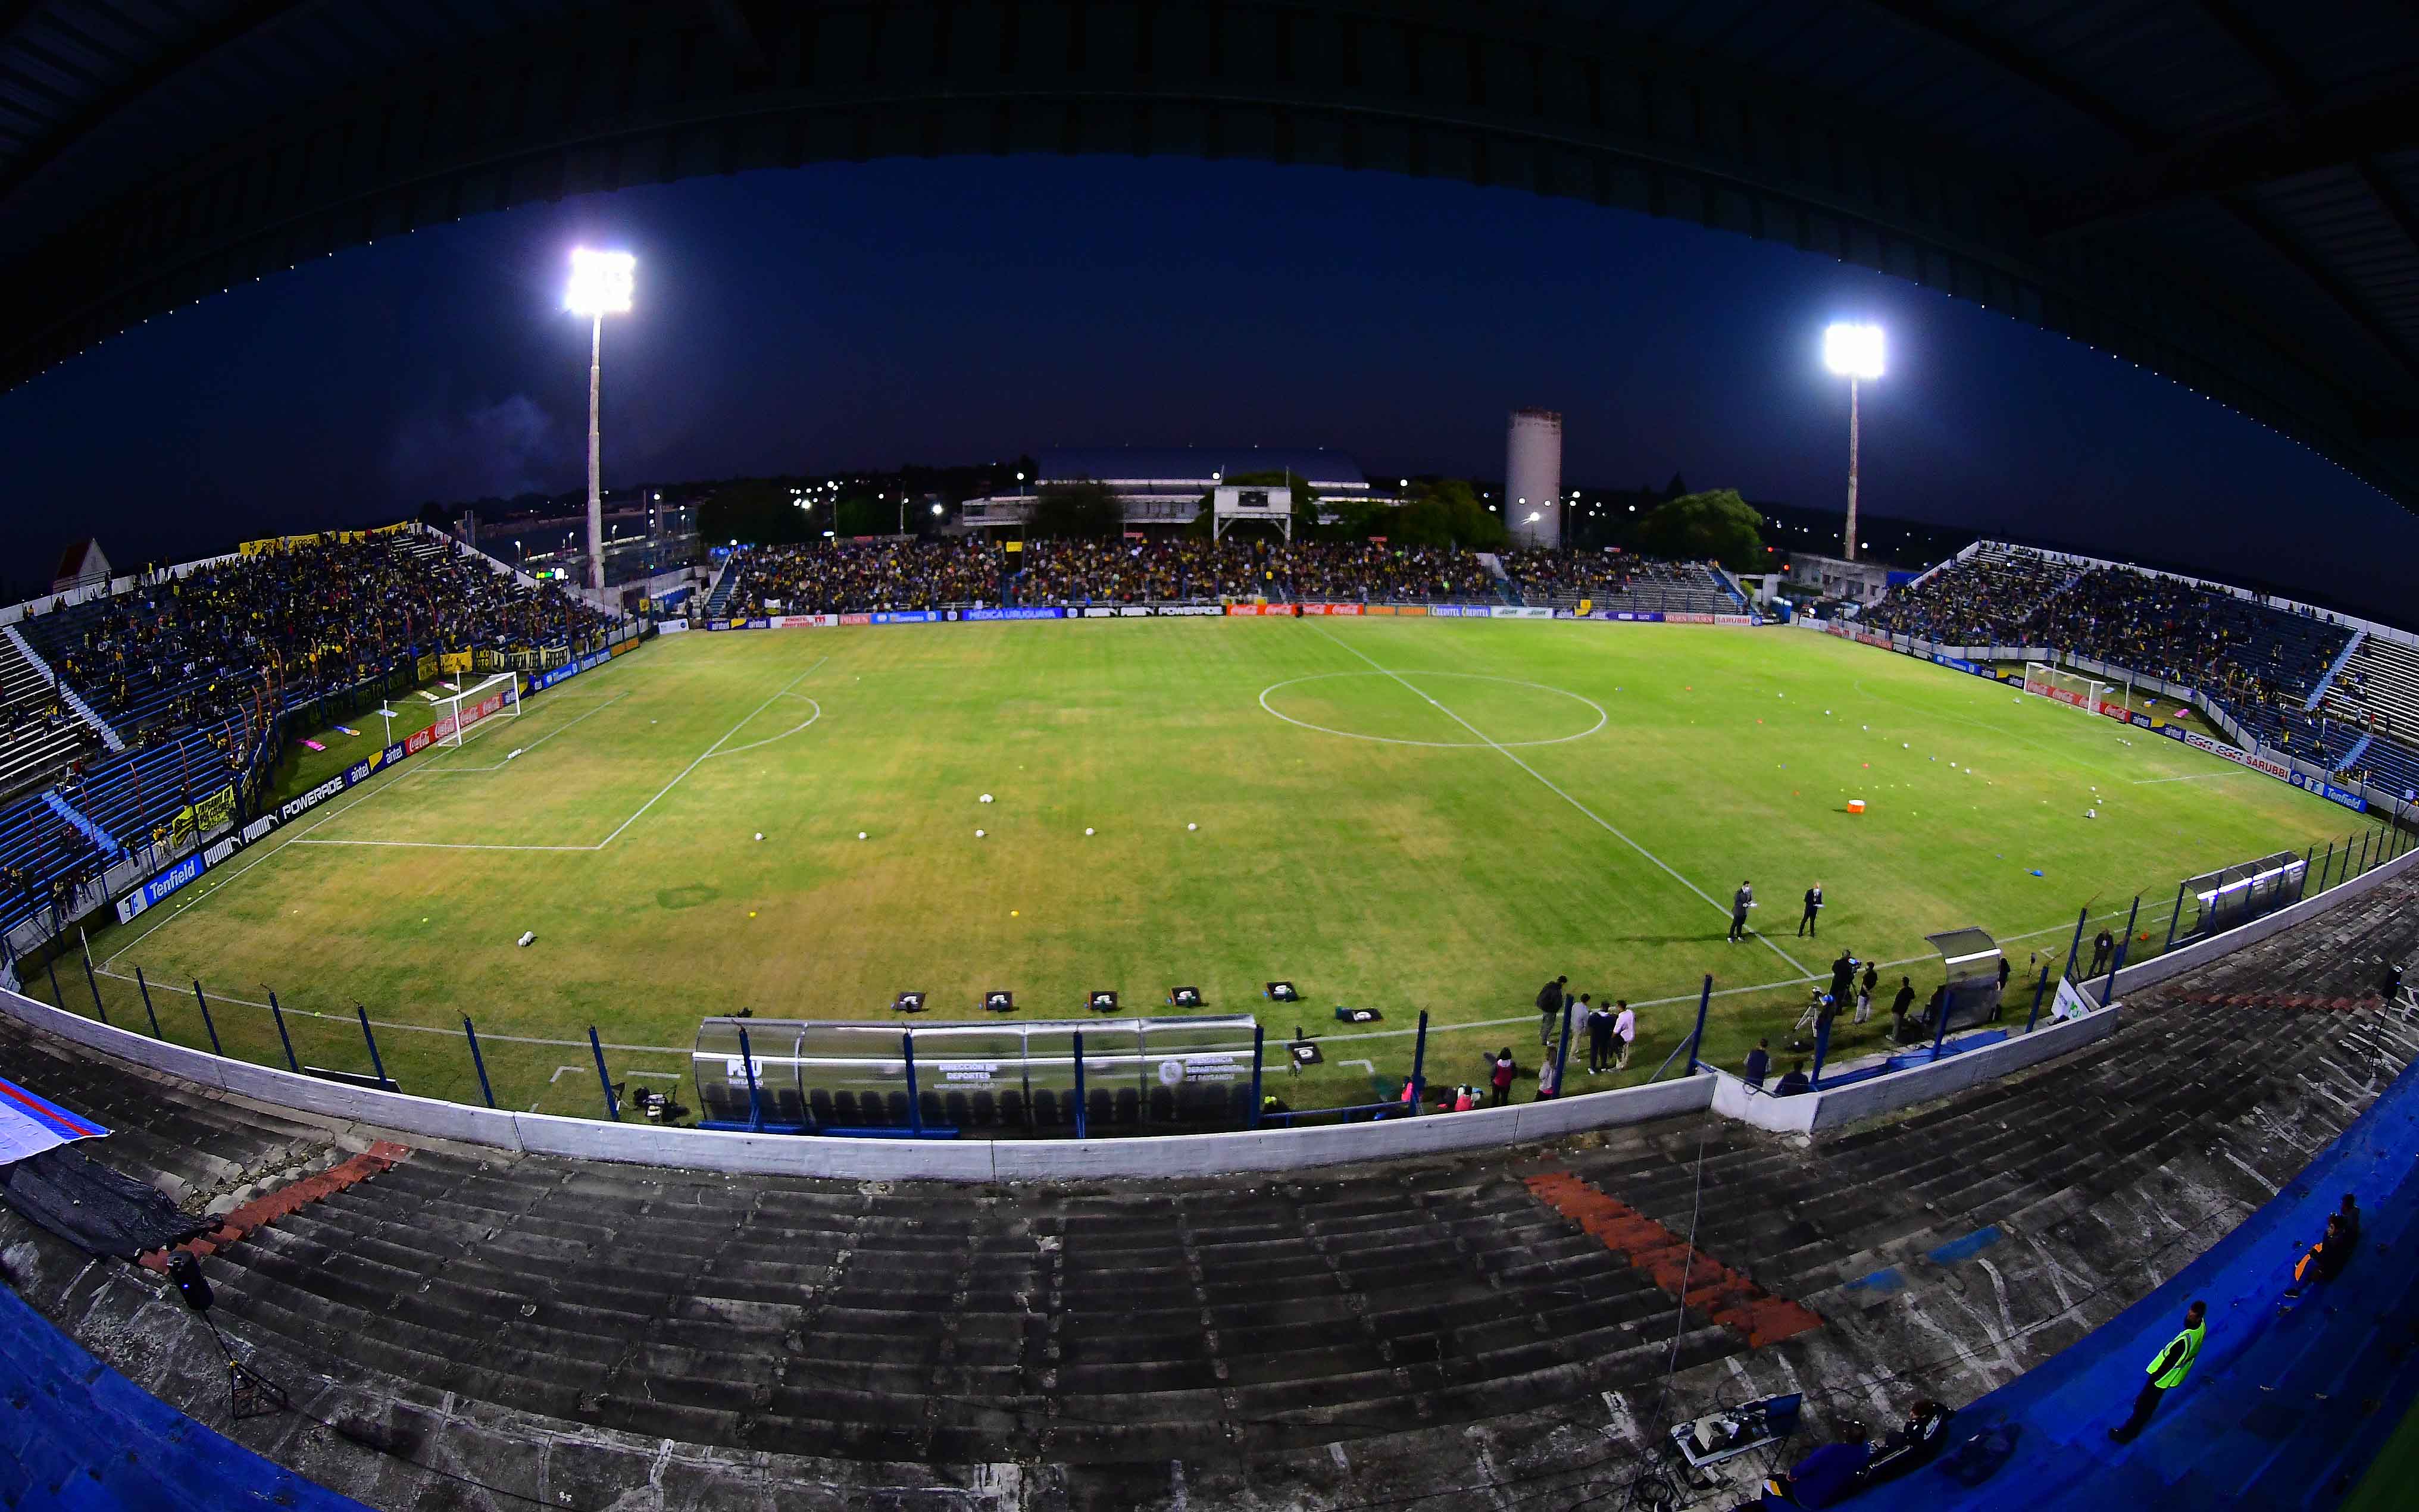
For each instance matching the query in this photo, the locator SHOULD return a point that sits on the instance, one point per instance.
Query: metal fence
(1362, 1066)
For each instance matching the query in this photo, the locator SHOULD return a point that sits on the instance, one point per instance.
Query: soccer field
(1396, 814)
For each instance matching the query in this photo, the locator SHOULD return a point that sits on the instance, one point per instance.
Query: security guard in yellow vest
(2168, 1371)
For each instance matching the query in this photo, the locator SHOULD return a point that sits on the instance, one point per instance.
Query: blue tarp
(2284, 1404)
(75, 1436)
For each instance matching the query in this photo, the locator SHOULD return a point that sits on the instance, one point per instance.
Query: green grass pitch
(1399, 815)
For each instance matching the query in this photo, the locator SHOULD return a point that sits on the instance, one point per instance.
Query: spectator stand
(2288, 681)
(2283, 1399)
(205, 666)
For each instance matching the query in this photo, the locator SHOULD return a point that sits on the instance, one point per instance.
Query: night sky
(965, 310)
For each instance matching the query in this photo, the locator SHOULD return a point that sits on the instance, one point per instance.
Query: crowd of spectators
(1991, 599)
(184, 651)
(837, 576)
(2257, 660)
(1570, 573)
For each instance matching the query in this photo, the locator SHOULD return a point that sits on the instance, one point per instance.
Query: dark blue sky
(964, 310)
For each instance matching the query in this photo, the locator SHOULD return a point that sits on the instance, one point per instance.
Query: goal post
(495, 697)
(2062, 686)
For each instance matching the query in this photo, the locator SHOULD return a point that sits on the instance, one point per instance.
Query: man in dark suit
(1814, 908)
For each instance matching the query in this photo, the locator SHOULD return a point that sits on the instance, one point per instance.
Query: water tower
(1533, 478)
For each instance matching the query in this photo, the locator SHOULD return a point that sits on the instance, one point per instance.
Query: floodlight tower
(600, 287)
(1856, 353)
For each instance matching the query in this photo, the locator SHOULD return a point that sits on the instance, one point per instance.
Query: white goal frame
(2058, 685)
(470, 702)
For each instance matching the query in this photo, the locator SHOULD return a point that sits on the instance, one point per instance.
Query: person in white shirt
(1625, 1029)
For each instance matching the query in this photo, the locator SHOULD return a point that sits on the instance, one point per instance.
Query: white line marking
(2198, 776)
(785, 734)
(1794, 963)
(659, 1075)
(710, 751)
(498, 766)
(1602, 718)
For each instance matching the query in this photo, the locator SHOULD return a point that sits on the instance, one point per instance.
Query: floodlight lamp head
(600, 283)
(1852, 351)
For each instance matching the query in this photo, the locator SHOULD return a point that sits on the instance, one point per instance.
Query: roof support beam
(235, 24)
(2230, 162)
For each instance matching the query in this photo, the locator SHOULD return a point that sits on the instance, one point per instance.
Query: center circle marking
(1602, 718)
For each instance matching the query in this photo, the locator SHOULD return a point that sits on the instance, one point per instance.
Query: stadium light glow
(600, 287)
(1855, 353)
(600, 283)
(1852, 351)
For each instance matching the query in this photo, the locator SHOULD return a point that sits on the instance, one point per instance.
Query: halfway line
(1711, 901)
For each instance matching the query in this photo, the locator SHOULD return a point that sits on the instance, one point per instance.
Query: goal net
(496, 697)
(2065, 687)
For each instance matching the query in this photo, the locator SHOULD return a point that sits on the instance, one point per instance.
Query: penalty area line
(1550, 786)
(711, 750)
(498, 766)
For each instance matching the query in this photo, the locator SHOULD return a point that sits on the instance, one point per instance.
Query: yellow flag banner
(202, 817)
(455, 662)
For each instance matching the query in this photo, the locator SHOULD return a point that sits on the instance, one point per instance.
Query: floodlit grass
(1485, 805)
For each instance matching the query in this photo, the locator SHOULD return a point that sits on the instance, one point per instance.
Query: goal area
(2071, 687)
(495, 697)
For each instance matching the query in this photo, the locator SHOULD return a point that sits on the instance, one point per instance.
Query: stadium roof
(1192, 466)
(2224, 194)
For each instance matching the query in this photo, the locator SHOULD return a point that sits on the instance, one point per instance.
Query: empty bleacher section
(1613, 582)
(1412, 1328)
(2377, 693)
(40, 737)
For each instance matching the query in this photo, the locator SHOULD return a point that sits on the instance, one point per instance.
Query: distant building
(1162, 486)
(82, 563)
(1834, 577)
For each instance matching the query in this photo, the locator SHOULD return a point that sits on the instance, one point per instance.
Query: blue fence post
(2174, 919)
(2365, 838)
(748, 1065)
(1079, 1084)
(94, 983)
(2117, 962)
(2326, 864)
(1822, 1049)
(53, 967)
(2039, 989)
(1562, 1048)
(2301, 887)
(148, 1012)
(478, 1062)
(1419, 1063)
(279, 1013)
(1697, 1036)
(1940, 1028)
(205, 1003)
(1259, 1044)
(914, 1104)
(612, 1103)
(2082, 917)
(378, 1067)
